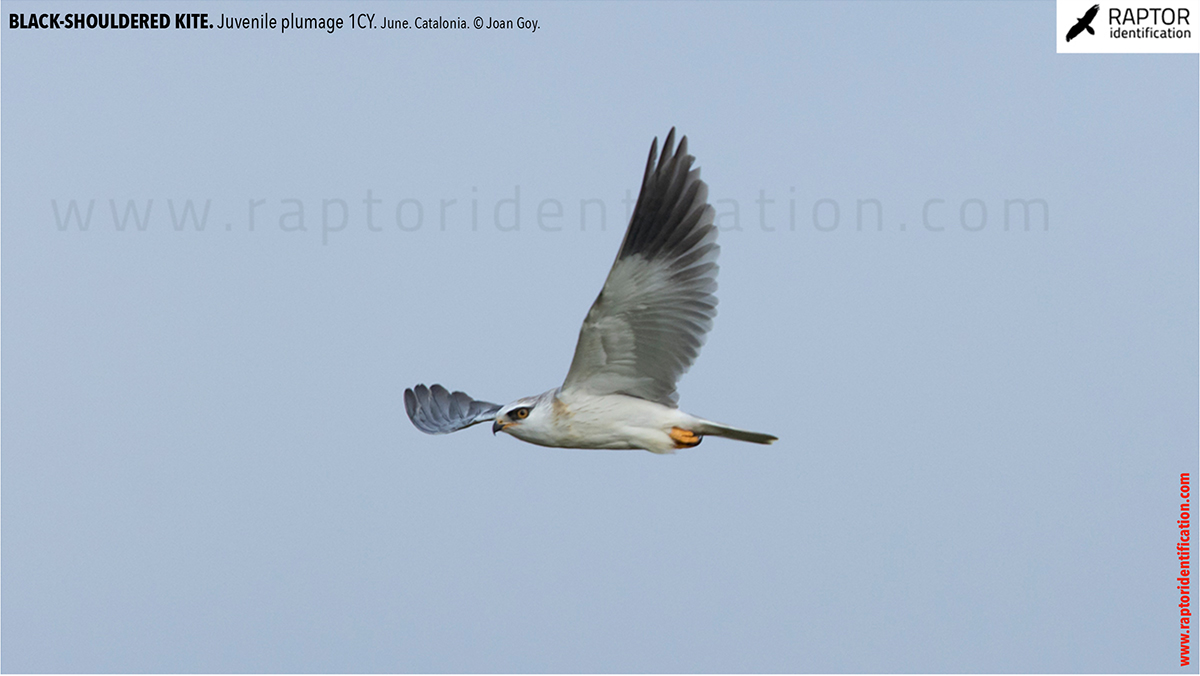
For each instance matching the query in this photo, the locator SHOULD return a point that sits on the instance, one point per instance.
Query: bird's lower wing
(435, 410)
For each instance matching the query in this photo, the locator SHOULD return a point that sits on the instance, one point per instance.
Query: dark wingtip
(667, 150)
(410, 402)
(650, 160)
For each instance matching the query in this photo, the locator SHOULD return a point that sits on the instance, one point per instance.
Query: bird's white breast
(613, 421)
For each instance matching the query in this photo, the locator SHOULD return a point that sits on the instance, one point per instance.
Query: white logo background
(1071, 11)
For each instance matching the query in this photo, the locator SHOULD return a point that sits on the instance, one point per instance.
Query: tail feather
(719, 430)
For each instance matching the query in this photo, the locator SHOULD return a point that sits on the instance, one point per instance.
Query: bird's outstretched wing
(434, 410)
(1084, 23)
(649, 321)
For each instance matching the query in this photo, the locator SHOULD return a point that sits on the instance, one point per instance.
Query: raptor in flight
(1084, 23)
(642, 333)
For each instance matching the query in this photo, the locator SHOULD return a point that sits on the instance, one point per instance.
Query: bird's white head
(520, 413)
(531, 419)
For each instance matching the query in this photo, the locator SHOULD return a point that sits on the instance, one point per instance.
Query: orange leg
(684, 438)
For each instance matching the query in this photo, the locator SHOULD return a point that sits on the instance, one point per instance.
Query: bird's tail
(719, 430)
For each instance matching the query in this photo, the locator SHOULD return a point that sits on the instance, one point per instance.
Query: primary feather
(435, 410)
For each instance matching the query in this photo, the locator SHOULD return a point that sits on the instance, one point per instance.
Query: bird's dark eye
(520, 413)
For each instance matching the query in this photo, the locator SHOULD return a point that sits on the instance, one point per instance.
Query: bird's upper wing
(436, 411)
(649, 321)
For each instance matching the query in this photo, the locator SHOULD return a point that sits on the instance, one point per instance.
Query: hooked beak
(498, 426)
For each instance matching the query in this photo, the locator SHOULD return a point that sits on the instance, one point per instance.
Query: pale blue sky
(206, 463)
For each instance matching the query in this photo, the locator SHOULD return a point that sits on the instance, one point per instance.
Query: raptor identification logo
(1128, 27)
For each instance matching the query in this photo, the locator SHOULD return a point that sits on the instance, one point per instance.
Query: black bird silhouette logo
(1084, 23)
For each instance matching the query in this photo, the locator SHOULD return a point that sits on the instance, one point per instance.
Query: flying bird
(1085, 23)
(641, 334)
